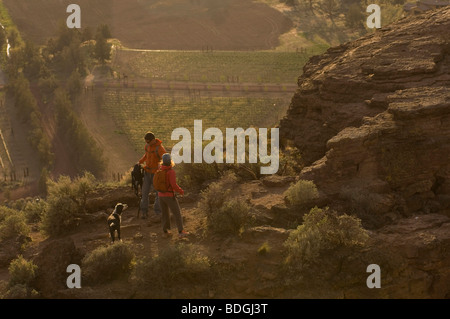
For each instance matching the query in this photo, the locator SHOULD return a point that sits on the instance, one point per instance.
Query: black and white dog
(114, 221)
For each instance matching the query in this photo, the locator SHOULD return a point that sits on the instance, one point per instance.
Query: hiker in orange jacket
(154, 150)
(168, 201)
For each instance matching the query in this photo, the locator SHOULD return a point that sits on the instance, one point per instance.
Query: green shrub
(175, 265)
(20, 291)
(14, 225)
(6, 211)
(301, 193)
(18, 204)
(105, 264)
(230, 219)
(225, 214)
(217, 193)
(34, 210)
(59, 217)
(322, 230)
(66, 202)
(21, 272)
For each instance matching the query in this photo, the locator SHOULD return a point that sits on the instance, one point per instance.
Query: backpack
(137, 178)
(160, 182)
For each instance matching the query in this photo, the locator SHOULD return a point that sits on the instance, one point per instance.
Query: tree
(103, 29)
(87, 34)
(66, 37)
(102, 49)
(330, 8)
(74, 84)
(33, 61)
(42, 183)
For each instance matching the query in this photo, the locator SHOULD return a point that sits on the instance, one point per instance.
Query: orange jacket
(153, 155)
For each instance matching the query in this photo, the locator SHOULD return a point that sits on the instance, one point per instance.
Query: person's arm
(173, 182)
(142, 160)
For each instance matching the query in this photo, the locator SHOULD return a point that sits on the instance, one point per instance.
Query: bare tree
(330, 8)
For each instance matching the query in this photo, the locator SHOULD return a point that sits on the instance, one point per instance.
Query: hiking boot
(183, 234)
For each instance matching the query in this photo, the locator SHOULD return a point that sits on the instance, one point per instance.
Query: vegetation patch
(105, 264)
(322, 232)
(225, 212)
(176, 266)
(22, 275)
(302, 193)
(66, 203)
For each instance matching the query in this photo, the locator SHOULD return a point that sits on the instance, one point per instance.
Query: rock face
(372, 119)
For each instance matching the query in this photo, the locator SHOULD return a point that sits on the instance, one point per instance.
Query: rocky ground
(411, 252)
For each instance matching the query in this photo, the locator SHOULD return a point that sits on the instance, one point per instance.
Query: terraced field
(214, 67)
(138, 112)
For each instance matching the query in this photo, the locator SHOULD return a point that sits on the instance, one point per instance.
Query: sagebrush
(322, 231)
(225, 213)
(108, 263)
(176, 265)
(66, 202)
(302, 192)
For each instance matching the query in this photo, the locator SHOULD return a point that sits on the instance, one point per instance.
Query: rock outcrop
(372, 119)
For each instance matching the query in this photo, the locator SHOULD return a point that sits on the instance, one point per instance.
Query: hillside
(370, 118)
(161, 25)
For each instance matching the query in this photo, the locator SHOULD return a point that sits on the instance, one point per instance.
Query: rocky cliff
(372, 120)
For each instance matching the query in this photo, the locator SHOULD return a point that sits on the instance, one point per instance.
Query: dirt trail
(118, 151)
(145, 238)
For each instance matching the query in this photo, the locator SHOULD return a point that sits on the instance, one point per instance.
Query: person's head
(149, 136)
(167, 160)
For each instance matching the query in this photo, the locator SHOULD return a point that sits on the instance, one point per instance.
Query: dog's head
(120, 208)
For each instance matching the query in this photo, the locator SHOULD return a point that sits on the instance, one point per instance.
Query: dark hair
(167, 160)
(149, 136)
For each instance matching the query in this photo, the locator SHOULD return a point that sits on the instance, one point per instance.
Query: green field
(136, 113)
(214, 67)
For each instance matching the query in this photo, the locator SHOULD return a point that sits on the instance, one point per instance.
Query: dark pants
(170, 203)
(146, 188)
